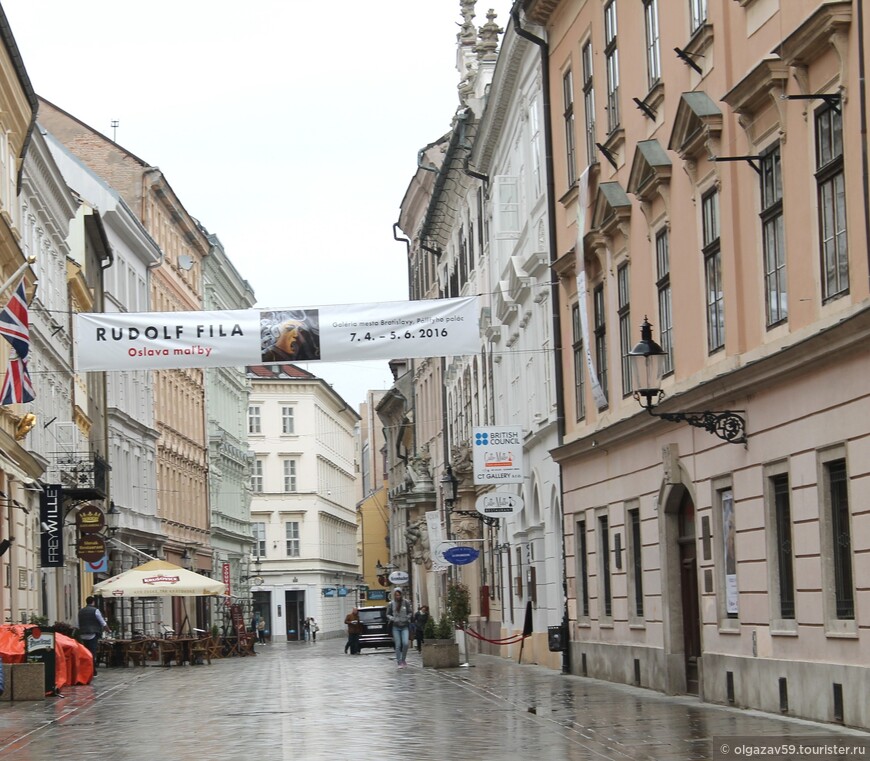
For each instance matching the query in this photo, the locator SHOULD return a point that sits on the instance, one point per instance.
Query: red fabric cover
(73, 661)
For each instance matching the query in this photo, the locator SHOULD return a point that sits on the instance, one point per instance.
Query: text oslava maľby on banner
(353, 332)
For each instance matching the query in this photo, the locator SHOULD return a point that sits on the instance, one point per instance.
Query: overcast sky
(290, 129)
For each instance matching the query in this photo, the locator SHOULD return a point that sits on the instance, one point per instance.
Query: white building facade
(510, 149)
(303, 477)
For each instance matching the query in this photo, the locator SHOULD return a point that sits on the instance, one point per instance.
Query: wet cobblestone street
(312, 702)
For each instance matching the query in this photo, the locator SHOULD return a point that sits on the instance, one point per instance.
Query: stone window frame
(603, 550)
(727, 623)
(778, 624)
(834, 626)
(633, 554)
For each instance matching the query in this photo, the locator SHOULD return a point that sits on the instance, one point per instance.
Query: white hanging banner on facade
(497, 454)
(233, 338)
(436, 541)
(582, 199)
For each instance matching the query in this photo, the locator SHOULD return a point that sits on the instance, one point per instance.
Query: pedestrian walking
(313, 628)
(399, 615)
(261, 631)
(354, 629)
(91, 626)
(306, 630)
(421, 617)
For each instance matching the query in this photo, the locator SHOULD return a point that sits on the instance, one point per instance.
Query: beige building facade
(721, 192)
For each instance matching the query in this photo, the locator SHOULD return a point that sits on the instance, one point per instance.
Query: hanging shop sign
(98, 566)
(461, 555)
(90, 519)
(498, 504)
(398, 578)
(91, 547)
(498, 455)
(51, 522)
(352, 333)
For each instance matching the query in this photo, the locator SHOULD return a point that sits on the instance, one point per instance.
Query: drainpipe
(862, 98)
(554, 293)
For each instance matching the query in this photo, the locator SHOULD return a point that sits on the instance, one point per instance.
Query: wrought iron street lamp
(647, 368)
(449, 485)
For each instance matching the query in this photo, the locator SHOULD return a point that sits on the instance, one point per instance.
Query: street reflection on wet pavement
(312, 702)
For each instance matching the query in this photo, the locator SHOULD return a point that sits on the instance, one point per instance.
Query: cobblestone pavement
(312, 702)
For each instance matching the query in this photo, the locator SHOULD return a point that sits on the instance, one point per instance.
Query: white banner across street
(232, 338)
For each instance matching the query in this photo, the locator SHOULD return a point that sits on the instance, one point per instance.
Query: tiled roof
(279, 372)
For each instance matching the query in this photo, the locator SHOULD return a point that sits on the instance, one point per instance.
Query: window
(257, 476)
(663, 286)
(611, 58)
(568, 114)
(582, 571)
(535, 146)
(836, 486)
(600, 337)
(292, 530)
(636, 559)
(258, 531)
(831, 185)
(773, 237)
(589, 103)
(579, 363)
(604, 566)
(713, 273)
(653, 53)
(288, 420)
(698, 12)
(254, 421)
(784, 550)
(624, 313)
(289, 475)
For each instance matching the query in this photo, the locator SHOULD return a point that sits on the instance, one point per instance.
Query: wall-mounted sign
(461, 555)
(377, 594)
(338, 333)
(498, 504)
(398, 578)
(498, 455)
(328, 592)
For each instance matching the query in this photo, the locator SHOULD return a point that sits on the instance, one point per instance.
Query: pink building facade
(711, 170)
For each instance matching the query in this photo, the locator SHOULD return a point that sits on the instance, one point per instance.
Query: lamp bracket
(489, 520)
(727, 425)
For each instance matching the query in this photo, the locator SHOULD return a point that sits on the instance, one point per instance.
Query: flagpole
(17, 274)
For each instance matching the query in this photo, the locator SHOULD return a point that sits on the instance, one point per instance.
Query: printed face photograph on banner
(290, 335)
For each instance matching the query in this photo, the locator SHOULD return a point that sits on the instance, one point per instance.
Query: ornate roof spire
(489, 32)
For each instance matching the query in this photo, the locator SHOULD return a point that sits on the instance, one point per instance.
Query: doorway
(686, 540)
(294, 602)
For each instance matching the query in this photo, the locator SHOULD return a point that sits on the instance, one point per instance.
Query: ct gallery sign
(355, 332)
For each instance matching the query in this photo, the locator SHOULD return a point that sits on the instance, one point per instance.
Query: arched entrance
(680, 590)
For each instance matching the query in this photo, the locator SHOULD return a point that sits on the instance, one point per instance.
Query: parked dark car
(374, 627)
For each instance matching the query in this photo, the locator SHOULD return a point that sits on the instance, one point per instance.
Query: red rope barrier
(512, 640)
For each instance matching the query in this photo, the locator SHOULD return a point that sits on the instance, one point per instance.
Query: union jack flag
(15, 322)
(17, 386)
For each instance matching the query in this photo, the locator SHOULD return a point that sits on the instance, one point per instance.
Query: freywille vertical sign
(51, 521)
